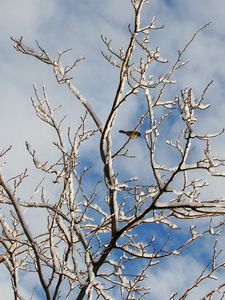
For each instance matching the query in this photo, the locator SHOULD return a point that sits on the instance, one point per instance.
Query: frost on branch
(97, 222)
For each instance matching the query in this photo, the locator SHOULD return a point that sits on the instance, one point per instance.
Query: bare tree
(92, 238)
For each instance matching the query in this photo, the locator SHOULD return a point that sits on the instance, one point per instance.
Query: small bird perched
(131, 134)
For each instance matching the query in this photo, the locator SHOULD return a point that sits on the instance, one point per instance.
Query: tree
(101, 224)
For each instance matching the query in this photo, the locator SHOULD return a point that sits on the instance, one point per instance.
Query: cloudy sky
(78, 24)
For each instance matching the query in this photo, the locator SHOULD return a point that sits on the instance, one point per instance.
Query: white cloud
(177, 275)
(24, 17)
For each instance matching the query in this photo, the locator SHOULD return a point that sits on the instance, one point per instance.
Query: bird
(132, 134)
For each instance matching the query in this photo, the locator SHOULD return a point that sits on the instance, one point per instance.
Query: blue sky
(58, 25)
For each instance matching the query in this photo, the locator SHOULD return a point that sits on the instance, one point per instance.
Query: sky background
(59, 25)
